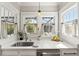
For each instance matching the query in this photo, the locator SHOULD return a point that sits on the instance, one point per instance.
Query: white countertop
(42, 44)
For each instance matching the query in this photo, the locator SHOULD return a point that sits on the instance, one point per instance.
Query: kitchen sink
(21, 44)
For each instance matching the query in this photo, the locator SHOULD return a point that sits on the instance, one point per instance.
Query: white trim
(75, 5)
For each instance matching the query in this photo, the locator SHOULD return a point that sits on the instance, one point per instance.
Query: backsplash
(12, 38)
(71, 40)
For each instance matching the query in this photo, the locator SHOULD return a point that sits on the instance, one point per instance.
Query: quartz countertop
(42, 44)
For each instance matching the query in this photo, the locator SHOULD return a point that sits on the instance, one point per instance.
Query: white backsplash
(8, 40)
(74, 41)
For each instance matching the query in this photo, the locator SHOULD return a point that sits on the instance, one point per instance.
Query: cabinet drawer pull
(69, 53)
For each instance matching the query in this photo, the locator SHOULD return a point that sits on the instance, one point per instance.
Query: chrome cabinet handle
(70, 53)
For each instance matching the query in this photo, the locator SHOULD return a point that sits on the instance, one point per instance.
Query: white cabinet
(19, 52)
(68, 52)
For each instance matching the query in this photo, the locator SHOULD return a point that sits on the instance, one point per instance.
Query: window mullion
(75, 28)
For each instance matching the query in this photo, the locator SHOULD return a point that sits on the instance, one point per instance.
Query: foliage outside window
(10, 28)
(31, 26)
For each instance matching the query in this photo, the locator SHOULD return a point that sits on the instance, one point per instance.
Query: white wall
(25, 14)
(71, 40)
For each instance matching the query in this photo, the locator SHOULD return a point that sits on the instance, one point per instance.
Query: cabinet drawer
(9, 53)
(68, 52)
(27, 52)
(19, 52)
(48, 52)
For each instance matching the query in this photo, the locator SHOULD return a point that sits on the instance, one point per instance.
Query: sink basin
(23, 44)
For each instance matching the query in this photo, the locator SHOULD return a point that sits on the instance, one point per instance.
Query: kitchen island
(43, 46)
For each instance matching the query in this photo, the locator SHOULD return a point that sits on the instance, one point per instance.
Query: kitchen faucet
(25, 36)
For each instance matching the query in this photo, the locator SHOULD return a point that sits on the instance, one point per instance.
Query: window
(3, 26)
(70, 22)
(48, 23)
(31, 25)
(10, 25)
(7, 24)
(10, 28)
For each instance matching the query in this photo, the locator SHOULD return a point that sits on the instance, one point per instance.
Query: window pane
(48, 24)
(10, 28)
(31, 26)
(75, 13)
(76, 20)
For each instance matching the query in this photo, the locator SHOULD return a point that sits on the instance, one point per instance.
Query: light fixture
(39, 11)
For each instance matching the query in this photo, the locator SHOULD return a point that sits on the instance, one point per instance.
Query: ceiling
(36, 3)
(44, 6)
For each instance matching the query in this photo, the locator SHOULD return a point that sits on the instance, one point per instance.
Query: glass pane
(48, 24)
(75, 13)
(31, 26)
(71, 14)
(10, 29)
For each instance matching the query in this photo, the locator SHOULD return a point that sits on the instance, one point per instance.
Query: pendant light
(39, 11)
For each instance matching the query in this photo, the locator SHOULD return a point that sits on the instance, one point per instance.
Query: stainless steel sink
(22, 44)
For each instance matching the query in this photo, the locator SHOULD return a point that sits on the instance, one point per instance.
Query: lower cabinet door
(68, 52)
